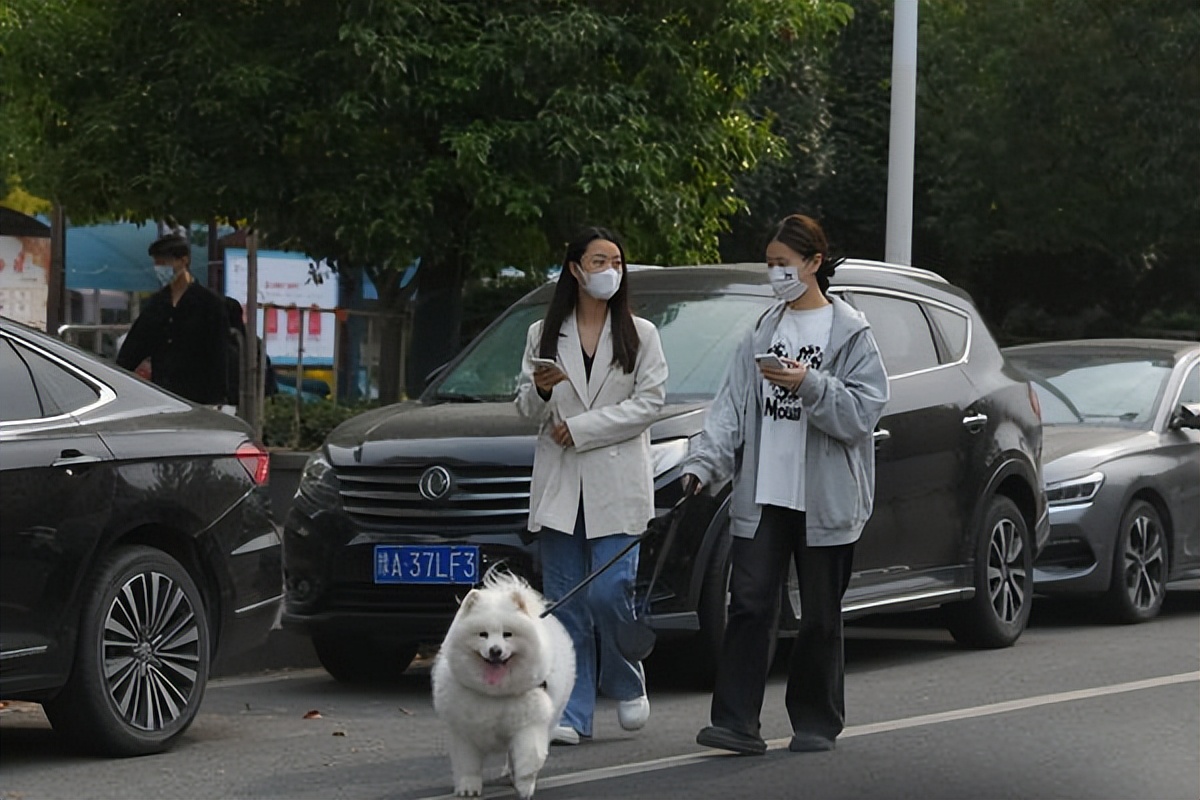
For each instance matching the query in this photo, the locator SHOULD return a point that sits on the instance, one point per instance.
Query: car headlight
(668, 455)
(318, 481)
(1076, 491)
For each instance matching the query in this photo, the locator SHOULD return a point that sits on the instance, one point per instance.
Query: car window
(902, 331)
(1096, 388)
(953, 328)
(18, 398)
(699, 334)
(1190, 391)
(59, 390)
(489, 370)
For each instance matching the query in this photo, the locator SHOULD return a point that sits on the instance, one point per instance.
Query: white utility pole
(898, 247)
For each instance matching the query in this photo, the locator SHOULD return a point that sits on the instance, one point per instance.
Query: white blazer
(609, 418)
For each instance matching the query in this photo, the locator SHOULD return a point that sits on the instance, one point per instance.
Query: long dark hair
(566, 295)
(804, 235)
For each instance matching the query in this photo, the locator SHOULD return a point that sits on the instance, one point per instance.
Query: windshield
(1077, 388)
(699, 334)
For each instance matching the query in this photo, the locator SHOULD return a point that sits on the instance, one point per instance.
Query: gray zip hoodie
(843, 400)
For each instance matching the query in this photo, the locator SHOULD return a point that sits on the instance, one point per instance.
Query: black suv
(405, 506)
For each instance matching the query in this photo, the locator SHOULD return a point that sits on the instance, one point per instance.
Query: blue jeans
(592, 616)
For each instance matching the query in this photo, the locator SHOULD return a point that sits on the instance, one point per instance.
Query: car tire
(362, 660)
(1003, 578)
(143, 617)
(1139, 571)
(692, 663)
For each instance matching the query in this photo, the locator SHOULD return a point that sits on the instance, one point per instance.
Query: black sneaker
(726, 739)
(810, 743)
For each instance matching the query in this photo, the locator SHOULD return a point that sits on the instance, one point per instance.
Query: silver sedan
(1121, 461)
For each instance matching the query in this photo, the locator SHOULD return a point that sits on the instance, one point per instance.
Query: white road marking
(1015, 705)
(974, 712)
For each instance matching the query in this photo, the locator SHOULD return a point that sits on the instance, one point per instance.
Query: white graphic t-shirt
(803, 336)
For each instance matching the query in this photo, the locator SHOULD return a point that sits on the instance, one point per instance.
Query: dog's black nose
(494, 652)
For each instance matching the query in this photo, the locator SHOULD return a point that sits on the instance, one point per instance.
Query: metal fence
(101, 339)
(104, 340)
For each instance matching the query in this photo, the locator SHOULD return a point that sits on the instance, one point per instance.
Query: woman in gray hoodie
(794, 434)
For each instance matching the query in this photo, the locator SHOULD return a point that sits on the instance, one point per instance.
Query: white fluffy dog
(501, 681)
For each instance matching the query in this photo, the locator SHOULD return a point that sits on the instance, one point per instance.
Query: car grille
(480, 498)
(410, 599)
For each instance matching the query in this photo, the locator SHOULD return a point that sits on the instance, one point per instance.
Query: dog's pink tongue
(493, 673)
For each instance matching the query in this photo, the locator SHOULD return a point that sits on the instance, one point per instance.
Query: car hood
(419, 430)
(1069, 451)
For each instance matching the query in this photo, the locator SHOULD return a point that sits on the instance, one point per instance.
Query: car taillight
(1033, 401)
(256, 460)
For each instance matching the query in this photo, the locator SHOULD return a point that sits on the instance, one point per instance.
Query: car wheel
(141, 660)
(1139, 577)
(1003, 578)
(362, 659)
(692, 663)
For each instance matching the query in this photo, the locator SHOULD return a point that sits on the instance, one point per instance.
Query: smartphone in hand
(769, 360)
(547, 363)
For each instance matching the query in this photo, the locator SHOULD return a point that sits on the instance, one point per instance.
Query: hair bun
(828, 266)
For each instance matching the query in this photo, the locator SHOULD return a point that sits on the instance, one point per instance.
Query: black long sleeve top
(187, 344)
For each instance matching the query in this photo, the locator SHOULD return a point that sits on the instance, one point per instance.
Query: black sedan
(136, 546)
(1122, 464)
(404, 507)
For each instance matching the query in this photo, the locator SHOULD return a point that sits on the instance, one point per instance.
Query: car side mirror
(1188, 416)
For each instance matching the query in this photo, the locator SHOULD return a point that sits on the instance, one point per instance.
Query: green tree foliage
(1060, 146)
(833, 110)
(471, 134)
(853, 200)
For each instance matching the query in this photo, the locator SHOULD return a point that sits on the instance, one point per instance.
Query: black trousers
(816, 674)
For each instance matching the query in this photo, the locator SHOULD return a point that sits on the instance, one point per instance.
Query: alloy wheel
(1006, 574)
(151, 649)
(1144, 569)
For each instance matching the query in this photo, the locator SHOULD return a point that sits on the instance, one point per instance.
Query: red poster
(314, 322)
(272, 320)
(293, 321)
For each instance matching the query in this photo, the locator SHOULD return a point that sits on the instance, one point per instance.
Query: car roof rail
(917, 272)
(857, 263)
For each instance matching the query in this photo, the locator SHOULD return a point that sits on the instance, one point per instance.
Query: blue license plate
(428, 563)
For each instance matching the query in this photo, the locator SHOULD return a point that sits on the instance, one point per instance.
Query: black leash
(674, 525)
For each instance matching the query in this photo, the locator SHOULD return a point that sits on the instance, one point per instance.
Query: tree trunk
(437, 319)
(391, 336)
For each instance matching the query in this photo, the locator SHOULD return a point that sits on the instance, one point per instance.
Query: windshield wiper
(1128, 416)
(458, 397)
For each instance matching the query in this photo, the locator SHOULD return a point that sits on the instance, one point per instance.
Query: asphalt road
(1076, 709)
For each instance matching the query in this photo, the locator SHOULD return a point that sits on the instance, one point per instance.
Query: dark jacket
(187, 344)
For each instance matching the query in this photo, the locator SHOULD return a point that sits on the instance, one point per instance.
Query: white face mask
(164, 273)
(602, 285)
(786, 283)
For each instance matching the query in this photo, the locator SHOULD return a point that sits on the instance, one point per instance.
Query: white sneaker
(564, 734)
(632, 714)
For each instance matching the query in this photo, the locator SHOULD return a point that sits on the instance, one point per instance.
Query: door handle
(881, 435)
(74, 458)
(975, 423)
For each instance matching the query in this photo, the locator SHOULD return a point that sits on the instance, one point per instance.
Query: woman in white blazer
(593, 483)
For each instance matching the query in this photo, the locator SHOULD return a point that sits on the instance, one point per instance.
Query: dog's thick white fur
(501, 681)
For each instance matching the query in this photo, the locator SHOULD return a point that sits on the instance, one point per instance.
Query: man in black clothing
(237, 340)
(183, 329)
